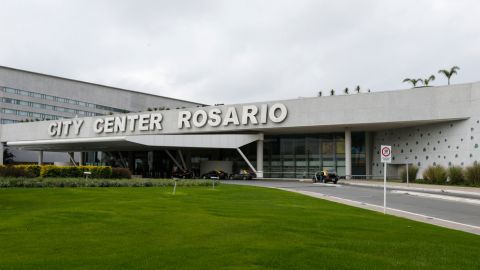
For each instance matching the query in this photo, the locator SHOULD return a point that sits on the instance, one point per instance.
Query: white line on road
(436, 196)
(397, 212)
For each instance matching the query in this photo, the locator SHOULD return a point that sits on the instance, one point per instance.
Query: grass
(230, 227)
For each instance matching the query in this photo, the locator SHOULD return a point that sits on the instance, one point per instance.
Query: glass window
(10, 90)
(23, 92)
(48, 97)
(36, 95)
(22, 113)
(49, 107)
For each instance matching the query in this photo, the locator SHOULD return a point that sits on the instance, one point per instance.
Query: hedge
(14, 182)
(31, 171)
(76, 171)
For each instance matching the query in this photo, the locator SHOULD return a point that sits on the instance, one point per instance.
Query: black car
(181, 174)
(325, 176)
(242, 175)
(215, 175)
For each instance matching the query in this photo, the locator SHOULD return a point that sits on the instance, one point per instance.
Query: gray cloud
(242, 51)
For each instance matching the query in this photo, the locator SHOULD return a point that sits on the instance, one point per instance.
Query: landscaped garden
(201, 227)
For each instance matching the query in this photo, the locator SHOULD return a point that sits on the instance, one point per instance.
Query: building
(28, 97)
(277, 139)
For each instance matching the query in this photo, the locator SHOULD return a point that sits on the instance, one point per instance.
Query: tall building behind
(28, 96)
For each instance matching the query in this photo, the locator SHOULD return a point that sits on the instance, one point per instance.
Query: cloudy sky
(242, 51)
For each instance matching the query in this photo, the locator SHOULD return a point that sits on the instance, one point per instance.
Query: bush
(435, 175)
(412, 173)
(10, 182)
(20, 171)
(455, 175)
(75, 171)
(121, 173)
(472, 174)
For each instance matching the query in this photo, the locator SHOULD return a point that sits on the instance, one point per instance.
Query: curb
(433, 190)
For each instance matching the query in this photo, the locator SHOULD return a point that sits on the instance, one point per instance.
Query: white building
(278, 139)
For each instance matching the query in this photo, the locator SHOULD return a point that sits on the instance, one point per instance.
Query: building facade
(277, 139)
(29, 97)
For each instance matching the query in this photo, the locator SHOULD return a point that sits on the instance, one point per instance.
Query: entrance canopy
(139, 142)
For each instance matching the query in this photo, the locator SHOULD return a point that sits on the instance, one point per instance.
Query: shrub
(20, 171)
(75, 171)
(435, 175)
(412, 173)
(455, 175)
(121, 173)
(472, 174)
(9, 182)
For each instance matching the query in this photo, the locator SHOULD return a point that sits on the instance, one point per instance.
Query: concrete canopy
(139, 142)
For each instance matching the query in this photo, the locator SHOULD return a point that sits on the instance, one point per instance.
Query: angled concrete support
(173, 159)
(246, 160)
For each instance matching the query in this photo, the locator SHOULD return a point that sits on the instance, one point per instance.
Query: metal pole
(213, 183)
(407, 173)
(385, 188)
(174, 187)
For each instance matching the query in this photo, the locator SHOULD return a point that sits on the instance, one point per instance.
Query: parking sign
(386, 153)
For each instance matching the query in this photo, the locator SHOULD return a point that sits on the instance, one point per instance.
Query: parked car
(325, 176)
(215, 175)
(187, 174)
(242, 175)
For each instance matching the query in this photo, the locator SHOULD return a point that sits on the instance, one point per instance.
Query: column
(348, 153)
(40, 157)
(260, 156)
(368, 154)
(2, 148)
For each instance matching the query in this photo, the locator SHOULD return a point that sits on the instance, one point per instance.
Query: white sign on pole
(386, 153)
(385, 157)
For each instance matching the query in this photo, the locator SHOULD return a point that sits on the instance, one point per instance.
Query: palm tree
(449, 73)
(346, 91)
(332, 92)
(357, 89)
(428, 80)
(412, 81)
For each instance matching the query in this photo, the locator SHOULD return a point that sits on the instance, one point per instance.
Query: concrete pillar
(1, 153)
(260, 156)
(40, 157)
(368, 154)
(348, 153)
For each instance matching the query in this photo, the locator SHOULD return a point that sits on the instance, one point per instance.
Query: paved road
(460, 212)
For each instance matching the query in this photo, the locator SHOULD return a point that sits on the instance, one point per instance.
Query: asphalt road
(461, 212)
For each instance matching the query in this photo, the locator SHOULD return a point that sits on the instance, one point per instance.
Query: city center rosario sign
(214, 117)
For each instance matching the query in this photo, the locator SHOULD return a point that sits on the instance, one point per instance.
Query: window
(10, 90)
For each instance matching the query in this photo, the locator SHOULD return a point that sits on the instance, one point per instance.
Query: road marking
(406, 214)
(436, 196)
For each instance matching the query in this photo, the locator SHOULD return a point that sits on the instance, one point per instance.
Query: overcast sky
(242, 51)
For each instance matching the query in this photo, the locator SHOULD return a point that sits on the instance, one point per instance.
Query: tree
(357, 89)
(332, 92)
(346, 91)
(7, 156)
(428, 80)
(449, 73)
(412, 81)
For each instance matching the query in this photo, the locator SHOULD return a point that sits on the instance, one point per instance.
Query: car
(242, 175)
(183, 174)
(215, 175)
(325, 176)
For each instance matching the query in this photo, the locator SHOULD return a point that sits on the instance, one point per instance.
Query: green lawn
(231, 227)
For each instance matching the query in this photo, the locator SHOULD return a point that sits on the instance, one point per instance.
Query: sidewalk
(451, 190)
